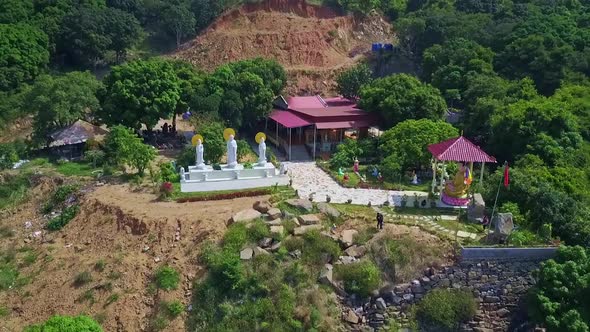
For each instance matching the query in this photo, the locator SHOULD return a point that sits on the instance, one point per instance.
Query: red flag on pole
(506, 176)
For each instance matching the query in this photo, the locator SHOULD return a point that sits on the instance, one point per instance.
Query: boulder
(328, 210)
(245, 216)
(348, 237)
(300, 203)
(275, 246)
(304, 229)
(503, 226)
(351, 317)
(265, 243)
(274, 213)
(277, 230)
(380, 302)
(401, 288)
(347, 259)
(276, 222)
(295, 253)
(262, 206)
(475, 210)
(259, 251)
(326, 275)
(308, 219)
(246, 254)
(356, 251)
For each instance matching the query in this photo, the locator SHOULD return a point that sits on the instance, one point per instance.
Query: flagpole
(496, 201)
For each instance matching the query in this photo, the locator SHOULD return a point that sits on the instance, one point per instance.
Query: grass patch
(460, 226)
(364, 235)
(64, 218)
(173, 309)
(158, 323)
(87, 296)
(112, 299)
(318, 249)
(167, 278)
(14, 189)
(445, 309)
(359, 278)
(30, 258)
(4, 311)
(75, 169)
(6, 232)
(114, 275)
(100, 265)
(8, 276)
(82, 278)
(405, 257)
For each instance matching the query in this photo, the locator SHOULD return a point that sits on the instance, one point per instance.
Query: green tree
(177, 20)
(405, 145)
(270, 71)
(351, 80)
(401, 97)
(15, 11)
(123, 147)
(66, 324)
(559, 299)
(345, 153)
(123, 30)
(214, 144)
(8, 155)
(139, 92)
(23, 54)
(60, 101)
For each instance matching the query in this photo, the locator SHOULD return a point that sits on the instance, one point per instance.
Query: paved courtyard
(309, 178)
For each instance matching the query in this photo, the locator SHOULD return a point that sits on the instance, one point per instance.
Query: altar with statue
(232, 175)
(455, 189)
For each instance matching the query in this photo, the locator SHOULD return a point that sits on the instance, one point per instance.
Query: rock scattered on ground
(246, 254)
(304, 229)
(274, 213)
(300, 203)
(262, 206)
(308, 219)
(347, 237)
(245, 216)
(328, 210)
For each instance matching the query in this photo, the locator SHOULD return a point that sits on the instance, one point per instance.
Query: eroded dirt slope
(132, 234)
(312, 42)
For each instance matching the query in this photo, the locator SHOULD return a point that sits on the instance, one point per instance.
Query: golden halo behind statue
(228, 132)
(259, 137)
(196, 139)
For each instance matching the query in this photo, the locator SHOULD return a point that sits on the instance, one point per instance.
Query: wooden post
(315, 129)
(289, 144)
(442, 176)
(277, 134)
(434, 168)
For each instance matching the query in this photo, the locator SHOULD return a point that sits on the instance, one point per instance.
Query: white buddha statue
(262, 152)
(200, 151)
(232, 152)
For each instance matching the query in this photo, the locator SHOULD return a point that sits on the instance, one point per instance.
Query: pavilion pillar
(265, 124)
(277, 134)
(315, 130)
(481, 176)
(290, 144)
(434, 166)
(442, 177)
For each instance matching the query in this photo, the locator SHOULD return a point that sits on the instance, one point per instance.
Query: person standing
(379, 220)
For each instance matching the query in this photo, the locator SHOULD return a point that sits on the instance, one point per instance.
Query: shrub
(294, 243)
(66, 324)
(235, 237)
(95, 157)
(166, 189)
(63, 219)
(319, 249)
(247, 165)
(100, 265)
(112, 299)
(359, 278)
(257, 231)
(168, 173)
(167, 278)
(523, 237)
(82, 278)
(445, 309)
(173, 309)
(243, 149)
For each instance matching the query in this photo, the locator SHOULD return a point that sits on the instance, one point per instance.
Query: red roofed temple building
(301, 125)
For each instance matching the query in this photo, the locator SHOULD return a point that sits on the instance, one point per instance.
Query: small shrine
(232, 175)
(454, 191)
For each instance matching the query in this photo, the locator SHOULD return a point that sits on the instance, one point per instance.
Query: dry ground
(115, 225)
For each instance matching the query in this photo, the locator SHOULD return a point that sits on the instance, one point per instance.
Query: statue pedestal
(196, 180)
(454, 201)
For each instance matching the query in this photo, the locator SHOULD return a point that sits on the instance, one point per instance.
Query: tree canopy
(58, 101)
(401, 97)
(123, 147)
(139, 92)
(23, 54)
(351, 80)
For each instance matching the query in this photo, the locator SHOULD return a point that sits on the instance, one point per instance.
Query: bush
(243, 149)
(173, 309)
(523, 237)
(66, 324)
(257, 231)
(100, 265)
(345, 154)
(167, 278)
(82, 278)
(445, 309)
(359, 278)
(166, 189)
(168, 173)
(8, 155)
(319, 249)
(95, 157)
(235, 237)
(63, 219)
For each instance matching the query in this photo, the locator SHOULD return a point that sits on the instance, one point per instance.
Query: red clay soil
(312, 42)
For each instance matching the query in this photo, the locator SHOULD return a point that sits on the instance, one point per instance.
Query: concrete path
(309, 178)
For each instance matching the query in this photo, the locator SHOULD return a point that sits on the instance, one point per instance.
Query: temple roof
(459, 149)
(78, 132)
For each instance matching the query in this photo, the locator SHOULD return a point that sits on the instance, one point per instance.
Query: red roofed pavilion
(458, 149)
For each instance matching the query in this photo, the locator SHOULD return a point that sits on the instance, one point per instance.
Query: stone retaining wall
(507, 254)
(497, 286)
